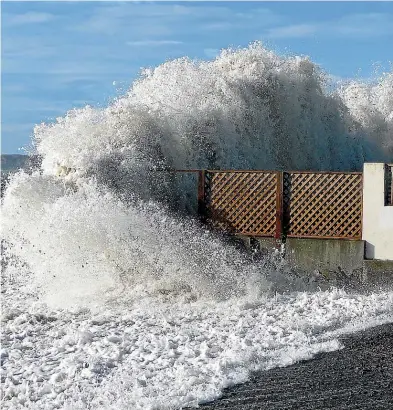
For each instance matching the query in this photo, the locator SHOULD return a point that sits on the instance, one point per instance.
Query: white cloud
(219, 25)
(13, 88)
(293, 31)
(139, 18)
(30, 103)
(365, 25)
(30, 17)
(227, 19)
(153, 43)
(27, 48)
(164, 18)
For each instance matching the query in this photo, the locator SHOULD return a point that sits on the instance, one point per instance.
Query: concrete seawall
(334, 261)
(325, 255)
(331, 225)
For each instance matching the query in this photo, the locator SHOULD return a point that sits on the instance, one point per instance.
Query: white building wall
(377, 218)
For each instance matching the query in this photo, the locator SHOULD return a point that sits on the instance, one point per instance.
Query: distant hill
(12, 162)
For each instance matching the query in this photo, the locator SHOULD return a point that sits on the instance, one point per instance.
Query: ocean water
(114, 296)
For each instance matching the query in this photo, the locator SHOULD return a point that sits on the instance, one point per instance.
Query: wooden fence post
(279, 206)
(388, 177)
(201, 195)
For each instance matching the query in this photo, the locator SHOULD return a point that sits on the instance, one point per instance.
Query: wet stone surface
(360, 376)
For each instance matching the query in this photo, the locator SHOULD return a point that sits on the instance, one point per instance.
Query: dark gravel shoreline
(360, 376)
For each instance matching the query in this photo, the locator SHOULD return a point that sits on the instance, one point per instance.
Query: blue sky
(60, 55)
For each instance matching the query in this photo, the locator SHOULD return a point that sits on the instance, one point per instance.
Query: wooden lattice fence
(277, 204)
(323, 205)
(242, 202)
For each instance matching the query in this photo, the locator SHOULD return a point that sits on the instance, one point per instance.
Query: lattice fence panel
(324, 205)
(242, 202)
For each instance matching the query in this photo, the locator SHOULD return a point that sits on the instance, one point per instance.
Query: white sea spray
(113, 295)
